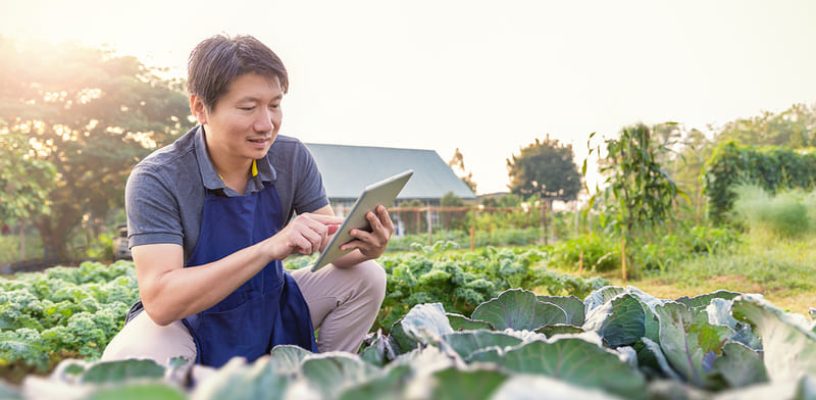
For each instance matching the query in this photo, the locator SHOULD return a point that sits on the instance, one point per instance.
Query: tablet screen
(383, 192)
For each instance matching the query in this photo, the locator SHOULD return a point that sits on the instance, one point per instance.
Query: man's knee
(142, 338)
(375, 279)
(126, 345)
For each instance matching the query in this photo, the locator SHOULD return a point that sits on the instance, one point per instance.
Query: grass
(787, 214)
(780, 267)
(782, 270)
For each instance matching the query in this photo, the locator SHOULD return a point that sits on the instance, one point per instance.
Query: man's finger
(376, 226)
(365, 237)
(385, 218)
(325, 219)
(355, 244)
(332, 229)
(315, 225)
(303, 245)
(314, 238)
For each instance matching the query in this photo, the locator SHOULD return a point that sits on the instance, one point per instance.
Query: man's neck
(233, 171)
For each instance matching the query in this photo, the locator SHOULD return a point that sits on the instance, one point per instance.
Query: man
(208, 228)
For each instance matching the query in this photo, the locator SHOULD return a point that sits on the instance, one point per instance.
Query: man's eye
(246, 108)
(274, 106)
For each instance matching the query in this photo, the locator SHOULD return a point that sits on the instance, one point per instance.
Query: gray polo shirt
(164, 196)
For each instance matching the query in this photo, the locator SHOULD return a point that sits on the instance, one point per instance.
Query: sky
(488, 77)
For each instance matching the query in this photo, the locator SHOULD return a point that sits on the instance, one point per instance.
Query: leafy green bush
(101, 248)
(497, 237)
(664, 251)
(771, 168)
(460, 281)
(66, 311)
(615, 343)
(600, 252)
(508, 237)
(785, 214)
(61, 312)
(703, 239)
(659, 251)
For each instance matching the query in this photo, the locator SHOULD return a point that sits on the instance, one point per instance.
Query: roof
(347, 170)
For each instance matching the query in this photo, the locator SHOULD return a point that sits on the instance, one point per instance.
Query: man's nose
(263, 123)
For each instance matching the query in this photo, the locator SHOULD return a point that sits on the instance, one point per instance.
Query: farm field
(453, 317)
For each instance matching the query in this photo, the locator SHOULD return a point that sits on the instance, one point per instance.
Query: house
(347, 170)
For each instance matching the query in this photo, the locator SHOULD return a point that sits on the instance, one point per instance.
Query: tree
(92, 115)
(794, 127)
(688, 168)
(545, 169)
(457, 162)
(639, 194)
(22, 182)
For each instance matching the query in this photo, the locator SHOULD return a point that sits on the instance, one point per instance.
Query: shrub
(663, 251)
(600, 252)
(771, 168)
(659, 251)
(785, 214)
(497, 237)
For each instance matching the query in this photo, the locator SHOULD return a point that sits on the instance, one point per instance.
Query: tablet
(383, 192)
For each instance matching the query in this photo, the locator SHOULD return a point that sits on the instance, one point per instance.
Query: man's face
(246, 119)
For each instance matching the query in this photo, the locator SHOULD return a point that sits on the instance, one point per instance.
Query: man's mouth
(259, 142)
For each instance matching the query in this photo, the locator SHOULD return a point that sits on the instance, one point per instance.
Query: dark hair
(216, 62)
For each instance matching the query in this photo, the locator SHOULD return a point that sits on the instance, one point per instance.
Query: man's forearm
(186, 291)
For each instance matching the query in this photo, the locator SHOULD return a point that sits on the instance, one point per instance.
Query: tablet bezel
(383, 192)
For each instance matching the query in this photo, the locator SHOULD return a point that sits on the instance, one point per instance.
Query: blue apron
(265, 311)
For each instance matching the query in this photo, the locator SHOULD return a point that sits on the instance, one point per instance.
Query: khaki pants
(343, 304)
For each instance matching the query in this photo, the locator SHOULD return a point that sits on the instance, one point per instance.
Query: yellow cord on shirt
(254, 170)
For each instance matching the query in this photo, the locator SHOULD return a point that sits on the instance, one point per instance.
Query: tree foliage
(457, 162)
(688, 168)
(24, 179)
(794, 128)
(692, 149)
(545, 169)
(91, 115)
(640, 190)
(639, 193)
(771, 168)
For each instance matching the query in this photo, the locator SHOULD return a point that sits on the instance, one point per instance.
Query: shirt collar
(266, 172)
(211, 179)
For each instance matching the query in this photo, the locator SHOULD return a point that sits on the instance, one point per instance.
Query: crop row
(74, 312)
(618, 343)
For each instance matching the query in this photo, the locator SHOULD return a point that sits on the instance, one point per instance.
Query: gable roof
(347, 170)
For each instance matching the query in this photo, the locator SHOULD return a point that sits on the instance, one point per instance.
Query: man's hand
(306, 234)
(372, 244)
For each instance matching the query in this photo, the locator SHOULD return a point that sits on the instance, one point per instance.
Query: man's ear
(198, 109)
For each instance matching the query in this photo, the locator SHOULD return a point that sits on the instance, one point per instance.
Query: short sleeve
(310, 195)
(152, 210)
